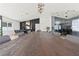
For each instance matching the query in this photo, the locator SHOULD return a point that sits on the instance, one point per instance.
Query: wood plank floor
(39, 44)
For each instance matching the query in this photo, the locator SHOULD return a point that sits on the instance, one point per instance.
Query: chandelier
(40, 7)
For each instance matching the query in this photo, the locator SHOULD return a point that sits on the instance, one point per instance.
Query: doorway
(62, 26)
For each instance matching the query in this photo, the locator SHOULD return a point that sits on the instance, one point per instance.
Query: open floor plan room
(39, 29)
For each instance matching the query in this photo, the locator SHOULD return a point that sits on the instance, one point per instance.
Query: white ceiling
(27, 11)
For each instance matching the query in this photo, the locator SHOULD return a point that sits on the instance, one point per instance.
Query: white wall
(45, 21)
(10, 30)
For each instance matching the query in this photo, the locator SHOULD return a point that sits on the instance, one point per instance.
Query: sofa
(4, 39)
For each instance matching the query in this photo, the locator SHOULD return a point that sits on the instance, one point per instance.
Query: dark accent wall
(32, 24)
(22, 25)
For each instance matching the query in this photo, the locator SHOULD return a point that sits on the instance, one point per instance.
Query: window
(9, 25)
(0, 28)
(4, 24)
(0, 25)
(75, 25)
(57, 26)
